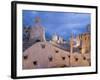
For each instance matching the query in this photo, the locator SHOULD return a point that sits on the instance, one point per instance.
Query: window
(84, 58)
(56, 51)
(35, 62)
(25, 56)
(43, 45)
(38, 40)
(76, 59)
(63, 58)
(50, 58)
(68, 56)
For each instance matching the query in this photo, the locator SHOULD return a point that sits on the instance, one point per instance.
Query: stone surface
(51, 57)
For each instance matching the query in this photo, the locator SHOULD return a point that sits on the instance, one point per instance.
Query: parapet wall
(45, 55)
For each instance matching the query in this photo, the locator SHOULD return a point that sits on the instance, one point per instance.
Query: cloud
(34, 12)
(60, 22)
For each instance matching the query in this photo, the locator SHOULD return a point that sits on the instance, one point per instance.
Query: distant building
(83, 42)
(57, 39)
(26, 33)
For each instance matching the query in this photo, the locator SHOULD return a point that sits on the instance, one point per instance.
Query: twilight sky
(61, 23)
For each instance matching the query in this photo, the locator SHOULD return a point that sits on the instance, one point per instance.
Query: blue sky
(61, 23)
